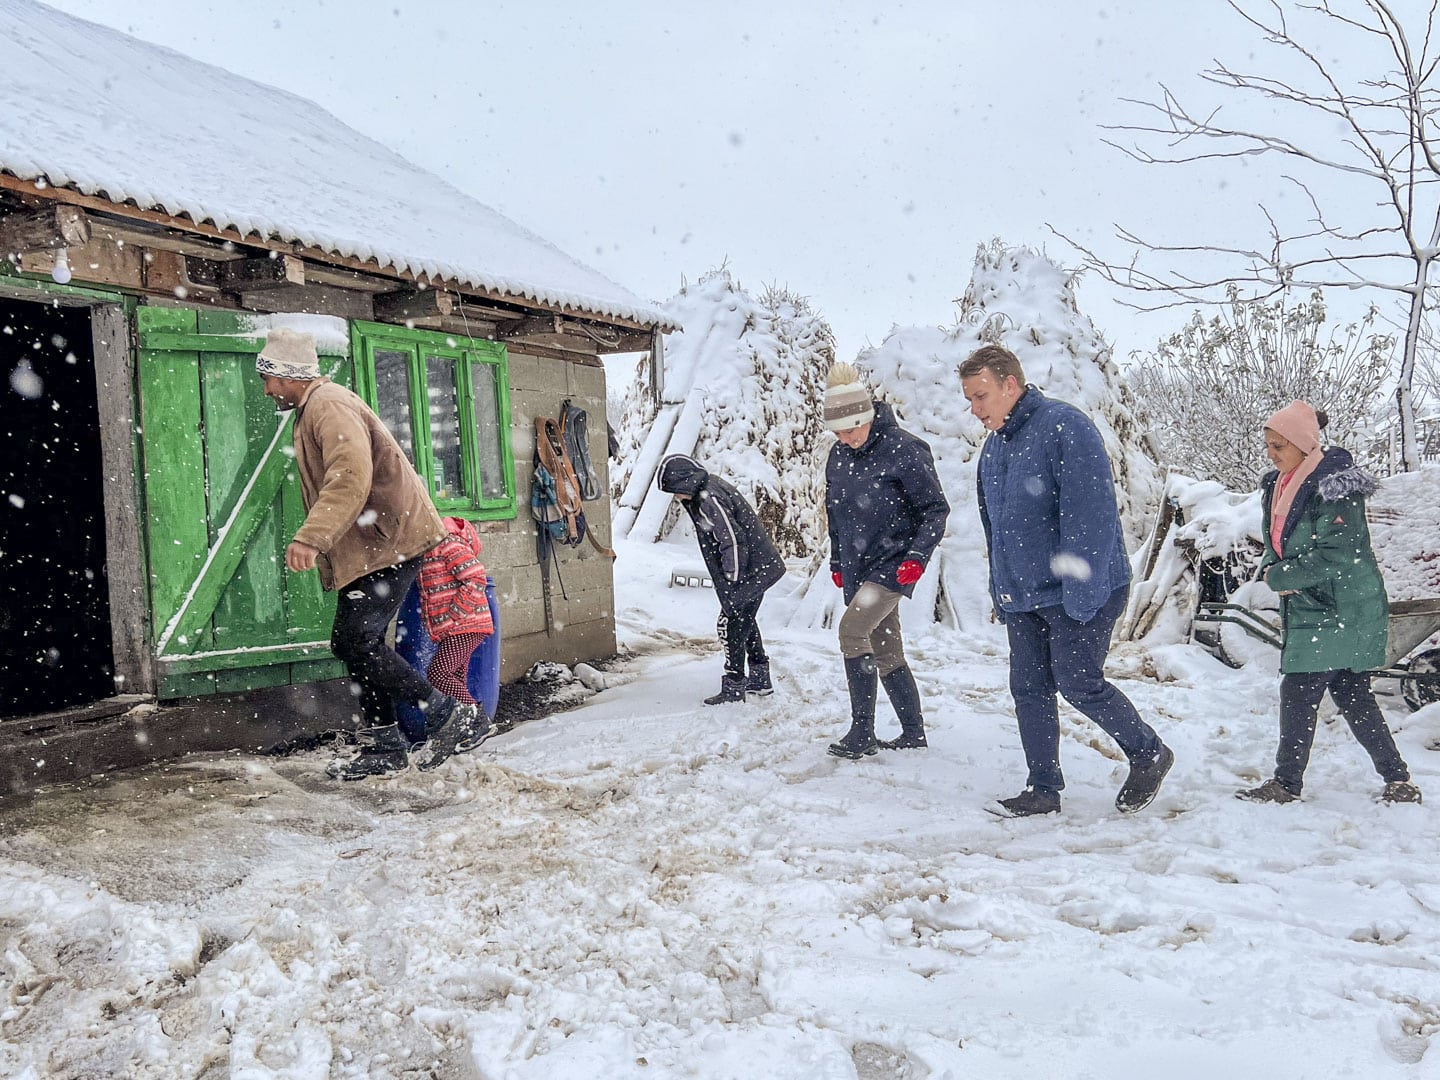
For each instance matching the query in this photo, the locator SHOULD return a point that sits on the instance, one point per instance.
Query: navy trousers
(1300, 696)
(1051, 652)
(363, 613)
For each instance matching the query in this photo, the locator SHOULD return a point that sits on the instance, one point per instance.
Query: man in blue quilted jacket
(1059, 576)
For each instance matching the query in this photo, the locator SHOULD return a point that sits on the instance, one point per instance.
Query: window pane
(447, 483)
(488, 433)
(392, 393)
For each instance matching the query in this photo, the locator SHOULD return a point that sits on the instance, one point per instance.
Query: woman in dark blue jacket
(886, 512)
(743, 564)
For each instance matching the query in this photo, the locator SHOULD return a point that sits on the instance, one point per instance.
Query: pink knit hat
(1298, 423)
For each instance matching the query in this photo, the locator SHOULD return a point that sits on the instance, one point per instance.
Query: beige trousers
(871, 624)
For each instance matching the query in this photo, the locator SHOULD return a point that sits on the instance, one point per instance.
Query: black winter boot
(759, 681)
(732, 689)
(904, 696)
(384, 754)
(1144, 781)
(449, 724)
(859, 741)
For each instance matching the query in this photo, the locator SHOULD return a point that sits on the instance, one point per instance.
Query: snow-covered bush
(1209, 387)
(742, 393)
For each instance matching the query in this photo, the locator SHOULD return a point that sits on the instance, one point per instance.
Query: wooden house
(157, 216)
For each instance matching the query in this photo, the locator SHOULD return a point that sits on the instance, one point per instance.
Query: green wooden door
(222, 500)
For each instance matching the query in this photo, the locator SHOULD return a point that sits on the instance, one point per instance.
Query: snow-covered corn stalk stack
(742, 390)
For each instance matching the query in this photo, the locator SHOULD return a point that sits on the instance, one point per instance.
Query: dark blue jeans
(1300, 696)
(1051, 652)
(364, 611)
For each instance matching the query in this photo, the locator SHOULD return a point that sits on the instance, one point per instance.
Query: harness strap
(550, 448)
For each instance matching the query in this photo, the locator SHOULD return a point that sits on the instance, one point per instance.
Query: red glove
(837, 579)
(909, 572)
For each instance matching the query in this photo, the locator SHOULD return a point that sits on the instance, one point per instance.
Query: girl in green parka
(1332, 601)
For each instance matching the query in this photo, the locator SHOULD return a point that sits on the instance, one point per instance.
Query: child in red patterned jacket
(453, 606)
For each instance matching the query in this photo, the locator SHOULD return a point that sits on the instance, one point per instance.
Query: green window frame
(446, 399)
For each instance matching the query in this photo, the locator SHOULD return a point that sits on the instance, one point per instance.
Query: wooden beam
(628, 343)
(531, 325)
(532, 348)
(312, 299)
(322, 274)
(413, 304)
(153, 238)
(469, 326)
(256, 275)
(124, 549)
(44, 230)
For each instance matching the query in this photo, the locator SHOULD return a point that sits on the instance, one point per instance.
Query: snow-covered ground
(646, 887)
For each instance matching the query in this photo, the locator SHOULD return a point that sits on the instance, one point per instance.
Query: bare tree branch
(1384, 98)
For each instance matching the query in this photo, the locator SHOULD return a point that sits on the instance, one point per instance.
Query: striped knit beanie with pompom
(847, 400)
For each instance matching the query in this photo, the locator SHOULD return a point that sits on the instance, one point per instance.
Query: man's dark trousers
(363, 613)
(1050, 652)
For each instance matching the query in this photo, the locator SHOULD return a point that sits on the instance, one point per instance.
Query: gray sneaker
(1271, 791)
(1032, 802)
(1401, 791)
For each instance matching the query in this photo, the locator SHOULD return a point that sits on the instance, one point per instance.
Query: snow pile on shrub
(1210, 523)
(743, 389)
(1405, 529)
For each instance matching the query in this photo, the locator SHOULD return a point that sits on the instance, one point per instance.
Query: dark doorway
(54, 599)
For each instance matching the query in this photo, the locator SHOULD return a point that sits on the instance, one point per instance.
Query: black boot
(732, 689)
(859, 741)
(759, 681)
(449, 724)
(904, 696)
(385, 753)
(1144, 781)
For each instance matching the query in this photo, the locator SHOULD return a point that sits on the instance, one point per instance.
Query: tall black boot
(758, 682)
(904, 695)
(385, 753)
(732, 689)
(859, 741)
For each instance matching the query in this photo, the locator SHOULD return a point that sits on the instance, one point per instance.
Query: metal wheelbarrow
(1411, 622)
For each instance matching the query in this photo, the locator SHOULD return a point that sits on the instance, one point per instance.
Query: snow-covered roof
(88, 108)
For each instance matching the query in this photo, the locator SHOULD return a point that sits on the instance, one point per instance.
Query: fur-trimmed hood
(1346, 482)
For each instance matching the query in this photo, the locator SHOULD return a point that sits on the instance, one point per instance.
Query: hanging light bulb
(61, 271)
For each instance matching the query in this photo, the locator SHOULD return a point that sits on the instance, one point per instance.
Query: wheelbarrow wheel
(1421, 686)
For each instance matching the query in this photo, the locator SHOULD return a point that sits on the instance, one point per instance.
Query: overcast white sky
(855, 152)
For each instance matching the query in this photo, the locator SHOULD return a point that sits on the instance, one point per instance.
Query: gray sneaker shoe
(1401, 791)
(1032, 802)
(1271, 791)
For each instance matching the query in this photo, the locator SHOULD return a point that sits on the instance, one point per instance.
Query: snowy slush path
(646, 887)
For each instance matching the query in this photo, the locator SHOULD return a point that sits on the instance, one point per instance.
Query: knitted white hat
(847, 400)
(288, 354)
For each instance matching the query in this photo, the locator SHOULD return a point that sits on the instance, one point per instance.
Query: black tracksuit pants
(740, 634)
